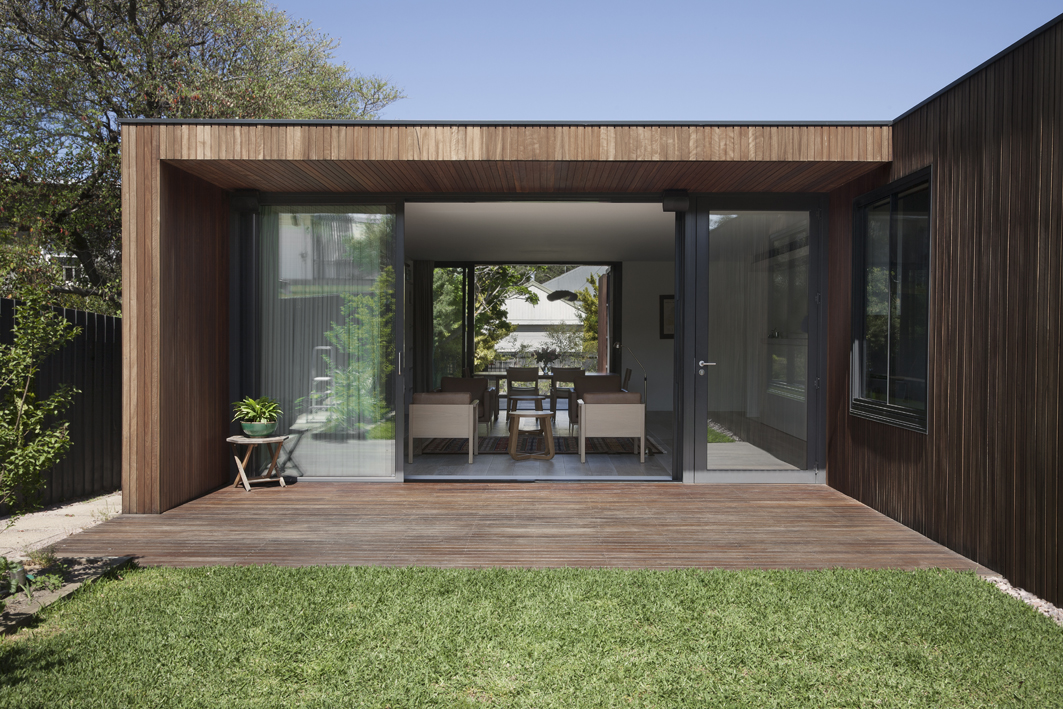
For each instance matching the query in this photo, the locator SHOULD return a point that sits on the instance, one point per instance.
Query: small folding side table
(275, 441)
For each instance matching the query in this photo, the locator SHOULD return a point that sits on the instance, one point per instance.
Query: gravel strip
(1040, 604)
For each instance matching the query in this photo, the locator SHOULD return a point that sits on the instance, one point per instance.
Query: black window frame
(859, 405)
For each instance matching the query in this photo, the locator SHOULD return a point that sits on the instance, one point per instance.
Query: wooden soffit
(417, 159)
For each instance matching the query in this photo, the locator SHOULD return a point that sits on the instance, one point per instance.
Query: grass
(375, 637)
(716, 436)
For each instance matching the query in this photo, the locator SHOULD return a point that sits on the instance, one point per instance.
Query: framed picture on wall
(668, 317)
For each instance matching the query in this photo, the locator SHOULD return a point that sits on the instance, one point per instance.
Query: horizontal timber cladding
(985, 480)
(653, 143)
(531, 177)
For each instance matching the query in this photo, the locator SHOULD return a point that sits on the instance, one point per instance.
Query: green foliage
(69, 71)
(495, 285)
(363, 333)
(568, 341)
(447, 309)
(33, 436)
(263, 410)
(718, 435)
(419, 637)
(587, 305)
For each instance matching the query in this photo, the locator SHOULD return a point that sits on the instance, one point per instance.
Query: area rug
(535, 444)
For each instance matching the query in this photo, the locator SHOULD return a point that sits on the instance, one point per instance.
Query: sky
(675, 61)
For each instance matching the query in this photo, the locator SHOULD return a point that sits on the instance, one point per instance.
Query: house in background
(874, 306)
(533, 321)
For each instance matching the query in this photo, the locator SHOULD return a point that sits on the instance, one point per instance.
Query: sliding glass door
(327, 336)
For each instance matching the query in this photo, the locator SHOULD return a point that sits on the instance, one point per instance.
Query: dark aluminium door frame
(692, 332)
(690, 403)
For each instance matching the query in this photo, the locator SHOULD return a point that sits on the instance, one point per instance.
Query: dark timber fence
(91, 363)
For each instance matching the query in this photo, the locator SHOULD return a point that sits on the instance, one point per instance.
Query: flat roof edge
(557, 124)
(992, 60)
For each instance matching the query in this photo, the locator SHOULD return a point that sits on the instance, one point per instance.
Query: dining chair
(520, 381)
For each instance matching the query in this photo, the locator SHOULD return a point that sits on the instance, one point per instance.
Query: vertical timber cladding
(175, 295)
(985, 481)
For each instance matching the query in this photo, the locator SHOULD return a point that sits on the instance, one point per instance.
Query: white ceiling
(536, 232)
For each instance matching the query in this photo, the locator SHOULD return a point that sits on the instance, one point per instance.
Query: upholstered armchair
(479, 389)
(584, 383)
(520, 381)
(612, 413)
(450, 414)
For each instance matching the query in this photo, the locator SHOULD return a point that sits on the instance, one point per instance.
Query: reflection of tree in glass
(363, 334)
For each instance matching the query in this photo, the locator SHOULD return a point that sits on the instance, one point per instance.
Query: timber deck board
(472, 525)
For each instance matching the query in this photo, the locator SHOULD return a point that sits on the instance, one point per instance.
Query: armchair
(479, 389)
(584, 383)
(616, 413)
(444, 414)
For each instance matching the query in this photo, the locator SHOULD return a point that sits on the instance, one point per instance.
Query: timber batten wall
(523, 159)
(175, 265)
(175, 212)
(985, 480)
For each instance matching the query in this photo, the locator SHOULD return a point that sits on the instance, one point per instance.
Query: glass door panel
(327, 342)
(758, 337)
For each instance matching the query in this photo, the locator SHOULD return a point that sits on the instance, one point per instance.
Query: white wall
(644, 282)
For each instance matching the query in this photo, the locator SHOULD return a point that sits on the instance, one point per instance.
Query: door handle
(703, 363)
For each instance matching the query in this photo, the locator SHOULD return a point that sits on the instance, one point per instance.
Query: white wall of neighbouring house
(644, 282)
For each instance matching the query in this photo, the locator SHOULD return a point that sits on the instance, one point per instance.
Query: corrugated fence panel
(92, 363)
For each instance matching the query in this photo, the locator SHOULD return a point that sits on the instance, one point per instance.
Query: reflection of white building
(318, 246)
(532, 321)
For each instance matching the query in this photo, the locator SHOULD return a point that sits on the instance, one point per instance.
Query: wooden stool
(545, 430)
(242, 465)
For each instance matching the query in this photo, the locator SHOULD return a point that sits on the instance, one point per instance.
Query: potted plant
(258, 417)
(545, 356)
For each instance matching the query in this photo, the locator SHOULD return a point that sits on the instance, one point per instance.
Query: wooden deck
(626, 525)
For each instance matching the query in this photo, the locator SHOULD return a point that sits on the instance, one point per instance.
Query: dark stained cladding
(985, 479)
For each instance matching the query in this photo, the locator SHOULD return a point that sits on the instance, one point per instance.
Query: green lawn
(340, 636)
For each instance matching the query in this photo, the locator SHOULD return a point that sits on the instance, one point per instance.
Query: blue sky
(813, 60)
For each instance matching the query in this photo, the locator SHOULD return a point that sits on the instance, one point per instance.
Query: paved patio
(626, 525)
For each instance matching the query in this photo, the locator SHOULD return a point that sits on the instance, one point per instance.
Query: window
(891, 285)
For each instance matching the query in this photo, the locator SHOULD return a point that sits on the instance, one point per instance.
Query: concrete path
(51, 525)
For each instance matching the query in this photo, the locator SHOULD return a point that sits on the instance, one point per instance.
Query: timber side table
(545, 430)
(276, 441)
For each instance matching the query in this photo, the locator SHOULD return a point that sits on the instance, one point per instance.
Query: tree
(70, 69)
(33, 437)
(362, 334)
(587, 305)
(494, 286)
